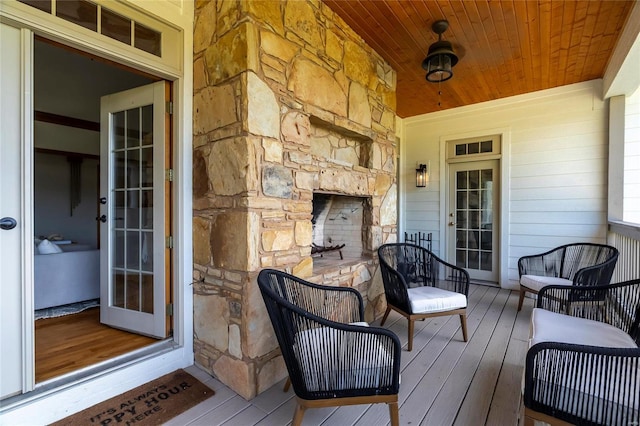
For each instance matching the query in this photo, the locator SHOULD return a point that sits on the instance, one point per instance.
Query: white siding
(632, 159)
(556, 152)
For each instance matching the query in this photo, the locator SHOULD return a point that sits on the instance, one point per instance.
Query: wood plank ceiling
(505, 47)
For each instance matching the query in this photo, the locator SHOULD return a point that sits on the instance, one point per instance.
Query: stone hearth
(288, 102)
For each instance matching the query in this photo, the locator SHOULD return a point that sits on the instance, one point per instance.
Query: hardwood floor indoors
(72, 342)
(445, 381)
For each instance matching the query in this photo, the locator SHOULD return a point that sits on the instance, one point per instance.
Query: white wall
(632, 159)
(52, 212)
(556, 163)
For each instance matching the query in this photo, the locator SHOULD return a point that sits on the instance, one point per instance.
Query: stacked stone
(287, 101)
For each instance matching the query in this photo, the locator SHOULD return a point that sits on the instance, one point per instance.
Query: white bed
(67, 277)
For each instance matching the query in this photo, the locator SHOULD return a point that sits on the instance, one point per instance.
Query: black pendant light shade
(440, 59)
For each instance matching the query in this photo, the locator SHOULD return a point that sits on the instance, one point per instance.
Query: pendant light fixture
(440, 59)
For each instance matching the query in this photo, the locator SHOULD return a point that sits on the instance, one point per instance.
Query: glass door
(133, 279)
(472, 218)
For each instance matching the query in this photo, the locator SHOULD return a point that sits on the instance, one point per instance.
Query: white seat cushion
(547, 326)
(432, 299)
(536, 282)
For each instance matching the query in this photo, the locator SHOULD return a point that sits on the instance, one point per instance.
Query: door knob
(102, 218)
(452, 223)
(7, 223)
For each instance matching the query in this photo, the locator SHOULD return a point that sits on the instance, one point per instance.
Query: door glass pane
(146, 299)
(147, 253)
(461, 180)
(147, 39)
(132, 198)
(146, 167)
(79, 12)
(133, 128)
(474, 219)
(116, 26)
(486, 262)
(132, 292)
(118, 130)
(146, 215)
(118, 289)
(44, 5)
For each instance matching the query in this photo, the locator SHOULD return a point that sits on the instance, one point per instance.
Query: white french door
(473, 215)
(133, 190)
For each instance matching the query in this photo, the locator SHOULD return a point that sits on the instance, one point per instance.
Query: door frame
(504, 159)
(51, 400)
(25, 189)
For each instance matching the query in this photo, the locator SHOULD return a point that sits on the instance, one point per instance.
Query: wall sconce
(421, 176)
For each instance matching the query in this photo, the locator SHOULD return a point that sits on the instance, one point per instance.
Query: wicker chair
(417, 284)
(584, 368)
(333, 357)
(578, 264)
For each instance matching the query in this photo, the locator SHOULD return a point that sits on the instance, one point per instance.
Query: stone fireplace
(290, 106)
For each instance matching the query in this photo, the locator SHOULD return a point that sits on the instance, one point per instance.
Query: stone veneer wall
(264, 72)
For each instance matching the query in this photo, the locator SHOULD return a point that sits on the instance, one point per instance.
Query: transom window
(104, 21)
(484, 145)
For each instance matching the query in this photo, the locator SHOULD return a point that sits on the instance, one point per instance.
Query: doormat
(150, 404)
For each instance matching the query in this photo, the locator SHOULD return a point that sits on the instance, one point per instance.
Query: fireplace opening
(338, 227)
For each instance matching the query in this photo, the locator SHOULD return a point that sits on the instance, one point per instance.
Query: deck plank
(422, 397)
(446, 405)
(477, 400)
(425, 352)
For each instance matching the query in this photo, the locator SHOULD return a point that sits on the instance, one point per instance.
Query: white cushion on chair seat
(547, 326)
(536, 282)
(432, 299)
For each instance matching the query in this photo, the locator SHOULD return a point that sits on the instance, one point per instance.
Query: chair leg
(287, 385)
(463, 323)
(393, 413)
(386, 314)
(298, 415)
(410, 345)
(522, 293)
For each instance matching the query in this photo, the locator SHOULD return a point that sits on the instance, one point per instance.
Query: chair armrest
(615, 304)
(583, 384)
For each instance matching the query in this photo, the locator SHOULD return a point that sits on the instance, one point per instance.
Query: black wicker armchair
(333, 357)
(584, 368)
(579, 264)
(418, 284)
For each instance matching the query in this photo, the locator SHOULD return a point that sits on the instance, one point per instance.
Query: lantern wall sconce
(422, 176)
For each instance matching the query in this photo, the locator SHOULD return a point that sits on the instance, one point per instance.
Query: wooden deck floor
(445, 381)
